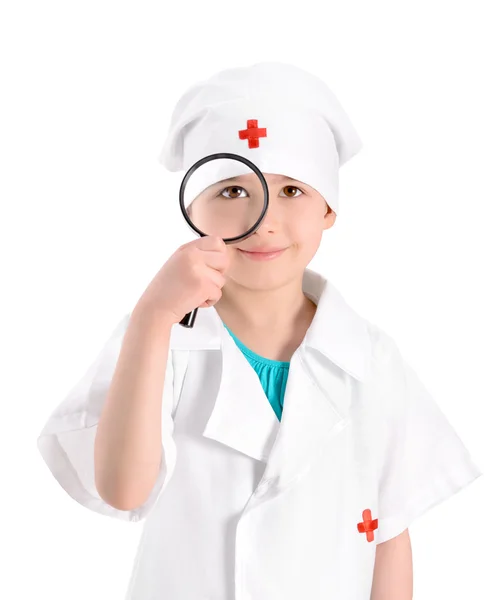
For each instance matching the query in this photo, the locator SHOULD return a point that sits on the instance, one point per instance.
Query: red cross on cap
(253, 133)
(368, 525)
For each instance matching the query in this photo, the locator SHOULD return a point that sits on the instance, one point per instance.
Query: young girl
(280, 449)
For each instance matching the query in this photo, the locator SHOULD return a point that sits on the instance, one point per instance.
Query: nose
(272, 218)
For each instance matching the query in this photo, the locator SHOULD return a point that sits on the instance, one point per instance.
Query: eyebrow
(280, 179)
(285, 178)
(226, 180)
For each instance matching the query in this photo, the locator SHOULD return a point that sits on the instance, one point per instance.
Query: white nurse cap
(282, 118)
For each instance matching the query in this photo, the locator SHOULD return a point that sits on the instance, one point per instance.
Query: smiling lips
(263, 253)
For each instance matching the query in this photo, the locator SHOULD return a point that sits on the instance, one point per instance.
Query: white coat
(249, 508)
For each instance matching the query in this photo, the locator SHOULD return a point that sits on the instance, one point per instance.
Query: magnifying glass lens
(223, 197)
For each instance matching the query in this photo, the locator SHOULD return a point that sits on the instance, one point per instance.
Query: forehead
(270, 178)
(275, 178)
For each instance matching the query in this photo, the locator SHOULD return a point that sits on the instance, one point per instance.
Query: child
(280, 449)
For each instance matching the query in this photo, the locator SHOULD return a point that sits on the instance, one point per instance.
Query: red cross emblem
(253, 133)
(368, 525)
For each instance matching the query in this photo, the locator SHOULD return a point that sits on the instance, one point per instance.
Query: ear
(329, 217)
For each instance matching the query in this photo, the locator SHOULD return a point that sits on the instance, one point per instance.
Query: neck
(270, 310)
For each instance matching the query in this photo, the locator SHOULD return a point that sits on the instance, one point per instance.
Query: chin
(265, 276)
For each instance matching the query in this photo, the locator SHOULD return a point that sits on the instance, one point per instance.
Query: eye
(290, 191)
(234, 192)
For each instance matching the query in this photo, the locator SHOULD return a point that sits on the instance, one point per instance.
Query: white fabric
(309, 135)
(249, 508)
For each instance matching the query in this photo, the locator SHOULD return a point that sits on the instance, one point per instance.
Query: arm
(393, 572)
(128, 444)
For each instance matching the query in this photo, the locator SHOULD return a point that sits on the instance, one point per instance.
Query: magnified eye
(234, 192)
(290, 191)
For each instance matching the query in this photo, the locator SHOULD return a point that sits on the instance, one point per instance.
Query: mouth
(263, 254)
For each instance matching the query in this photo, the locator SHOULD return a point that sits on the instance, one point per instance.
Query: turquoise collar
(254, 356)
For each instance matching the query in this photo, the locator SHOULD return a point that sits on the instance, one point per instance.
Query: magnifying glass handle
(189, 319)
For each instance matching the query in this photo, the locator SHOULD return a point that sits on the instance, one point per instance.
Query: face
(294, 223)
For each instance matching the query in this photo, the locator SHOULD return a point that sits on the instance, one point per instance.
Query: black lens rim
(241, 159)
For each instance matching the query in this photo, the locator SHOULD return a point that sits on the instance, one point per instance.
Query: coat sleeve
(66, 441)
(424, 460)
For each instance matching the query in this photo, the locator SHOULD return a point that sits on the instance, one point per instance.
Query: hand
(191, 278)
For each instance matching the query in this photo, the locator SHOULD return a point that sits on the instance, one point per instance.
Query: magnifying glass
(225, 195)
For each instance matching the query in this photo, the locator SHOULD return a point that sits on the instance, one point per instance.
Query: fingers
(210, 242)
(219, 261)
(214, 295)
(214, 252)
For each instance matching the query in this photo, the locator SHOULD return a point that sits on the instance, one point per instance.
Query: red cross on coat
(368, 525)
(253, 133)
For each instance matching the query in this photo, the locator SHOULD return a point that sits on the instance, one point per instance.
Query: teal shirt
(273, 375)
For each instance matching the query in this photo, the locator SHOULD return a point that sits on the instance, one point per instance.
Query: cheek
(307, 230)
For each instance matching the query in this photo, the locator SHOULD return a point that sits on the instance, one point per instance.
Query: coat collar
(318, 398)
(336, 331)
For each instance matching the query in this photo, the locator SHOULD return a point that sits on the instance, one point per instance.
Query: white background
(88, 216)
